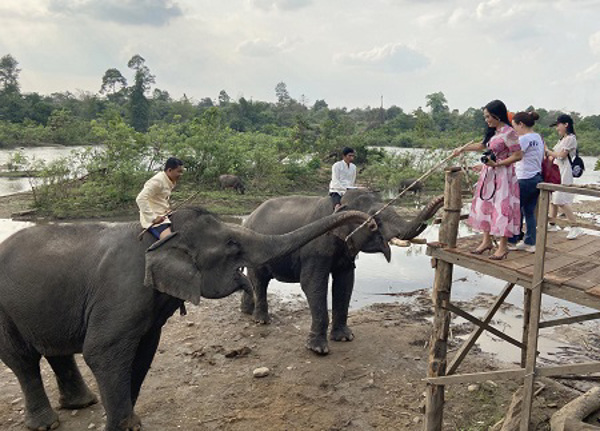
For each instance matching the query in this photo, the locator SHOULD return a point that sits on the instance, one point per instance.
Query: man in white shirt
(343, 176)
(153, 200)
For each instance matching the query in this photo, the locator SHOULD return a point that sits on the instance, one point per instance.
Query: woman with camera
(495, 209)
(529, 174)
(566, 147)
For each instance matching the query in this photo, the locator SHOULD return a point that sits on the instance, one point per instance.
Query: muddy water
(378, 281)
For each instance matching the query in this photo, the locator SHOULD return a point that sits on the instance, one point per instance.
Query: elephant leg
(314, 281)
(143, 359)
(343, 284)
(258, 305)
(110, 356)
(24, 361)
(74, 393)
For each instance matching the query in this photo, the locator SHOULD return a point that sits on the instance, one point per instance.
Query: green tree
(224, 98)
(9, 75)
(139, 105)
(282, 94)
(440, 113)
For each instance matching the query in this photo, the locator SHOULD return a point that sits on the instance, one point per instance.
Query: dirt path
(202, 379)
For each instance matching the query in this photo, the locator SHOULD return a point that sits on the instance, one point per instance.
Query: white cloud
(595, 43)
(263, 48)
(133, 12)
(395, 58)
(590, 74)
(268, 5)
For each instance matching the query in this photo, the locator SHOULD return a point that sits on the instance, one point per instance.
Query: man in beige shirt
(153, 200)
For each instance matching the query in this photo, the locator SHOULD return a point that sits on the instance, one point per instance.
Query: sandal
(498, 257)
(481, 251)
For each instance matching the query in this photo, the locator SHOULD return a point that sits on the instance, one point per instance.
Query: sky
(350, 53)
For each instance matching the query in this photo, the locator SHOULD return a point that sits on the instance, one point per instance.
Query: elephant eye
(232, 243)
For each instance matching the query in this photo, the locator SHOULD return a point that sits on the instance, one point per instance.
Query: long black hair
(496, 109)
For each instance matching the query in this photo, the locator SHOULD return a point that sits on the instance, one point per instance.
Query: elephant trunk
(419, 223)
(263, 248)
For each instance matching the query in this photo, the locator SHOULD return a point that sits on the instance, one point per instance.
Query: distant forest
(67, 118)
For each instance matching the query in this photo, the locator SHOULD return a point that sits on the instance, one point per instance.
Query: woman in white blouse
(567, 146)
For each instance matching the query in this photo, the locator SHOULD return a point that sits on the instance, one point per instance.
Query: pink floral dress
(495, 207)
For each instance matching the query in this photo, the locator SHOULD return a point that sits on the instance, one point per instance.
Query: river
(376, 280)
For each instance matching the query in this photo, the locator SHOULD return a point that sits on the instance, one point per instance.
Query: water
(409, 270)
(10, 186)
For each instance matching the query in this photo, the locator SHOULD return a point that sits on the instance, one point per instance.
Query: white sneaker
(553, 228)
(525, 247)
(574, 232)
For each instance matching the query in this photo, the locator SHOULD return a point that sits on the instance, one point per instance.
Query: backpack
(550, 171)
(577, 165)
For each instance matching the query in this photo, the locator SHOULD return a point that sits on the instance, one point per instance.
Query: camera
(487, 156)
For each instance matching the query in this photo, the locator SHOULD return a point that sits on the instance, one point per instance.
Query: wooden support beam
(569, 320)
(580, 190)
(453, 308)
(564, 223)
(464, 349)
(516, 373)
(561, 370)
(442, 285)
(535, 308)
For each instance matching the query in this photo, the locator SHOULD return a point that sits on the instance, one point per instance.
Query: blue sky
(348, 52)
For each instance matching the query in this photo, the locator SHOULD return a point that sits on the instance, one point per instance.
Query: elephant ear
(170, 269)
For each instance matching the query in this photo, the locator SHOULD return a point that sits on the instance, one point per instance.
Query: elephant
(94, 288)
(232, 182)
(416, 188)
(312, 264)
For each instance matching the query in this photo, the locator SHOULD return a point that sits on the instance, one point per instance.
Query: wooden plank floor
(571, 269)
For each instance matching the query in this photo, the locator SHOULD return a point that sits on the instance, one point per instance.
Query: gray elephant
(232, 182)
(328, 254)
(94, 288)
(416, 188)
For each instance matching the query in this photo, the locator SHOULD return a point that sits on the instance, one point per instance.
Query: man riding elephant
(312, 264)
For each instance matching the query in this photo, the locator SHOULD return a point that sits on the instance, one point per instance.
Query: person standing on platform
(565, 148)
(495, 209)
(529, 174)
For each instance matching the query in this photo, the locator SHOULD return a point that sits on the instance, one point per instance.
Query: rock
(417, 419)
(16, 401)
(473, 388)
(261, 372)
(74, 412)
(91, 426)
(491, 384)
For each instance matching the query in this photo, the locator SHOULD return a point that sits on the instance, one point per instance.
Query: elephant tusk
(400, 242)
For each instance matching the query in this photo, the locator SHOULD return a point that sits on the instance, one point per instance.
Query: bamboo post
(525, 336)
(434, 402)
(535, 308)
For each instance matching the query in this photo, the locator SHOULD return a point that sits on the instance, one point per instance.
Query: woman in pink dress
(495, 209)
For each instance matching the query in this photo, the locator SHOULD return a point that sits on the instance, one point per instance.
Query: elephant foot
(44, 420)
(247, 304)
(261, 317)
(317, 344)
(343, 333)
(132, 423)
(79, 401)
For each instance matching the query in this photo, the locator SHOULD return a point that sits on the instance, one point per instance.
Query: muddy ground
(202, 376)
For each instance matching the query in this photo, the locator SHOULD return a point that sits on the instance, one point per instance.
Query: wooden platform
(571, 269)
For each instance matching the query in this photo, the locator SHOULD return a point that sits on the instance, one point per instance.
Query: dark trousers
(529, 197)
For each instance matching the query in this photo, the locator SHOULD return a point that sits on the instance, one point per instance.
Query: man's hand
(158, 219)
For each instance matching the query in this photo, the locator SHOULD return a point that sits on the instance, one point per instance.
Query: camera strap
(484, 182)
